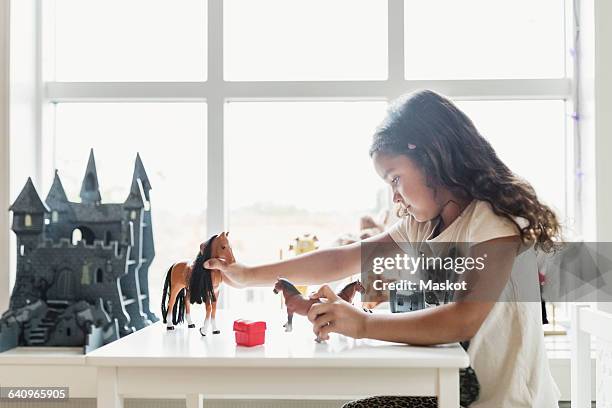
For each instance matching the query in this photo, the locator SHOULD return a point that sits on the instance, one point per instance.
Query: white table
(48, 367)
(154, 362)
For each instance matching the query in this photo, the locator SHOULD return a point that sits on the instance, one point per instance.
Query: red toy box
(249, 333)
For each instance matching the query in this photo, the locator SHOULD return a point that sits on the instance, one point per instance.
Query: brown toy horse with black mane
(296, 303)
(189, 282)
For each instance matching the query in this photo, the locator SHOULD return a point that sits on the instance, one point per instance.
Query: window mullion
(473, 89)
(216, 208)
(395, 41)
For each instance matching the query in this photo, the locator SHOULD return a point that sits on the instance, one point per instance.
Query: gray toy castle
(82, 268)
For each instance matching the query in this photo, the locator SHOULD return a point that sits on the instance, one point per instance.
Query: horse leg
(289, 325)
(188, 311)
(204, 328)
(213, 314)
(171, 305)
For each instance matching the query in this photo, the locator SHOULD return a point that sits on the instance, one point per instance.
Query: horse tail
(178, 314)
(165, 294)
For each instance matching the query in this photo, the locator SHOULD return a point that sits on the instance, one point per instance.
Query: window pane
(136, 40)
(529, 137)
(305, 39)
(484, 39)
(170, 138)
(297, 168)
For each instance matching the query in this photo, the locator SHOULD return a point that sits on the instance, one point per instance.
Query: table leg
(194, 401)
(108, 391)
(448, 388)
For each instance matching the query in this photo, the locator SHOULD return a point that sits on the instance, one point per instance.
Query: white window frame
(216, 92)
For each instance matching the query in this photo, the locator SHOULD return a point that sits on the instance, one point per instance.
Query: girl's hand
(234, 274)
(336, 315)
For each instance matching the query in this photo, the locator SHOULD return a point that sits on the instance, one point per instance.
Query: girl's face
(409, 185)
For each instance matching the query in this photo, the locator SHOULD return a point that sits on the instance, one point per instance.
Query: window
(297, 40)
(525, 135)
(170, 138)
(139, 40)
(77, 236)
(27, 221)
(255, 115)
(54, 216)
(304, 168)
(476, 39)
(86, 274)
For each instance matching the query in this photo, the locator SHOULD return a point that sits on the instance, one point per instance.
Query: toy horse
(296, 303)
(348, 292)
(188, 283)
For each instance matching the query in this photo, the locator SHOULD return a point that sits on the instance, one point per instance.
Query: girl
(450, 186)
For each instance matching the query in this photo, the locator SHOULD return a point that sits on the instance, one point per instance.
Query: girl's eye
(394, 180)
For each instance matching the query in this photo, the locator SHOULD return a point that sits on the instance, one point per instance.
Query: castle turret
(138, 207)
(57, 201)
(90, 189)
(135, 199)
(140, 173)
(28, 217)
(62, 212)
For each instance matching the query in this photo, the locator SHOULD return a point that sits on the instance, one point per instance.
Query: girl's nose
(397, 198)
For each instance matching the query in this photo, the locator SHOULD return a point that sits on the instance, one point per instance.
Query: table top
(154, 346)
(43, 356)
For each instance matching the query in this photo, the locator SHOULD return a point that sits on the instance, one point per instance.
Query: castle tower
(28, 218)
(148, 249)
(90, 189)
(140, 173)
(137, 205)
(61, 211)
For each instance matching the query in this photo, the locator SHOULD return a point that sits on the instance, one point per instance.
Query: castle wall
(62, 271)
(102, 231)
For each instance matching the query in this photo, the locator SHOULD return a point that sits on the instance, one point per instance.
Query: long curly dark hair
(450, 151)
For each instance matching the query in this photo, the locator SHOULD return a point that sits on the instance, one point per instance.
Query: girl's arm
(320, 266)
(438, 325)
(448, 323)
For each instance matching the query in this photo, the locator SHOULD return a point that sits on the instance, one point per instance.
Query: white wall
(596, 133)
(19, 91)
(596, 121)
(4, 154)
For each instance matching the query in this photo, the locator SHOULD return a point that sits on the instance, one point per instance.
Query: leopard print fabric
(393, 402)
(468, 385)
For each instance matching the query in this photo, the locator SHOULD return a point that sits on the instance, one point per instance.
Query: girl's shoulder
(477, 223)
(483, 224)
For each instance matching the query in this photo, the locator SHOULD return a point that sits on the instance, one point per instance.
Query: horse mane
(200, 284)
(288, 286)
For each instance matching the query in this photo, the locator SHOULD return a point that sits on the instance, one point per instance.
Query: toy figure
(192, 283)
(296, 303)
(305, 243)
(82, 268)
(348, 292)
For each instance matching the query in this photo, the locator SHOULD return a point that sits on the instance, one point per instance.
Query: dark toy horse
(296, 303)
